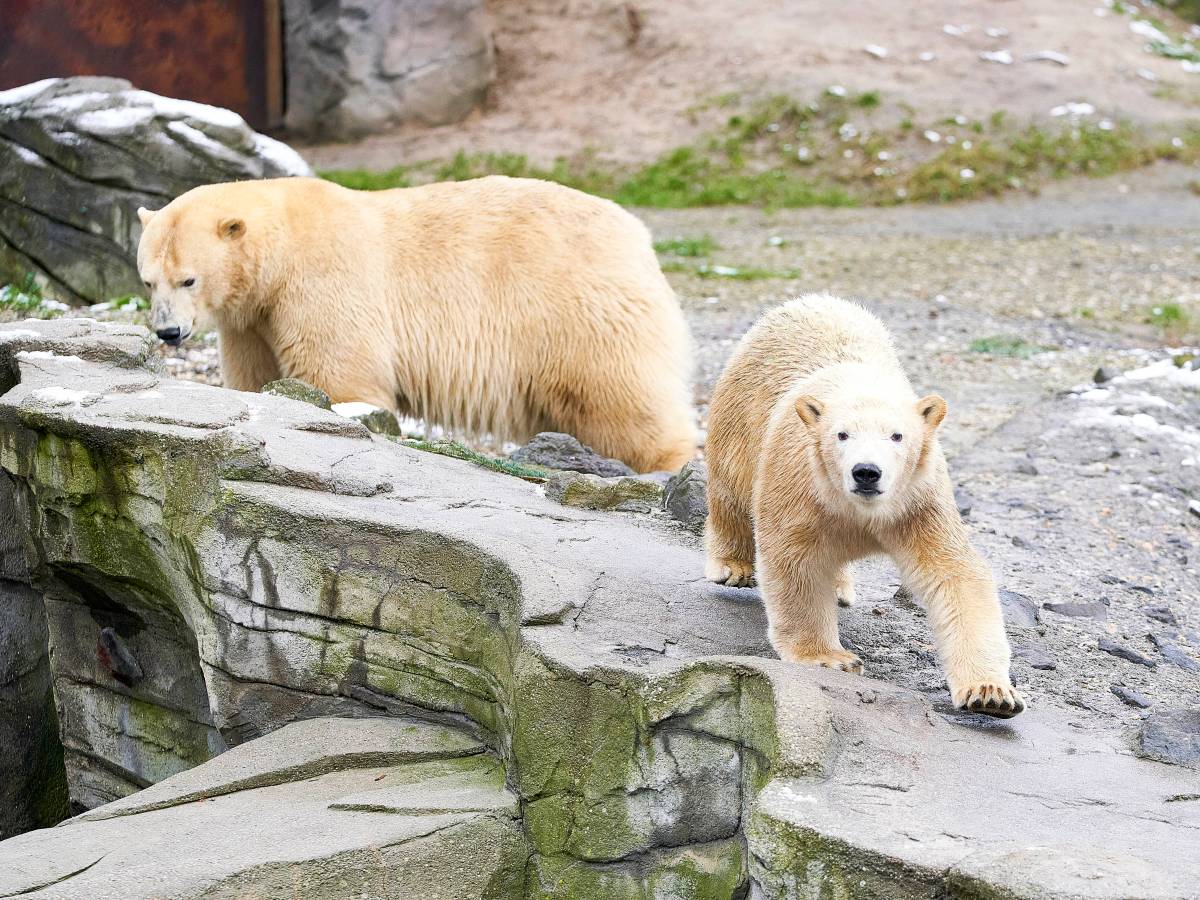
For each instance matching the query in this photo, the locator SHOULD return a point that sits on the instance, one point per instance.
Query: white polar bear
(820, 453)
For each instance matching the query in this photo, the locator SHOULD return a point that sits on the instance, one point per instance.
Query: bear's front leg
(960, 596)
(801, 600)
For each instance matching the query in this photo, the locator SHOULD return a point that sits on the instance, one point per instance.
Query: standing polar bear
(499, 306)
(819, 454)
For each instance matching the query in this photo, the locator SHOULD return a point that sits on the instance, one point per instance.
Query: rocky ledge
(438, 682)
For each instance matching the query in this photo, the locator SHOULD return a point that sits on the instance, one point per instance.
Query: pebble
(1161, 614)
(1105, 374)
(1172, 736)
(1172, 654)
(1026, 468)
(1090, 610)
(1122, 652)
(963, 501)
(1019, 610)
(1133, 698)
(556, 450)
(1036, 656)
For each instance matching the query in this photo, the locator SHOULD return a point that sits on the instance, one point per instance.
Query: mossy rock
(295, 389)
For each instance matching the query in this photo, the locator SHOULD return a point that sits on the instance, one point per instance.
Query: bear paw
(999, 700)
(733, 572)
(846, 595)
(842, 660)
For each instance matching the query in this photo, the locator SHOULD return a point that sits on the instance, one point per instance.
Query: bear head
(869, 446)
(192, 261)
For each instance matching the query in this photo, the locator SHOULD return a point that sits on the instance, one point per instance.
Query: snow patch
(354, 408)
(13, 334)
(114, 120)
(57, 395)
(1142, 425)
(29, 156)
(171, 108)
(281, 155)
(20, 94)
(1166, 369)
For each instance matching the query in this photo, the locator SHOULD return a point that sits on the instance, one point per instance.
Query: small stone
(1173, 654)
(1026, 468)
(1019, 610)
(1036, 656)
(963, 501)
(686, 495)
(587, 491)
(1194, 508)
(295, 389)
(1105, 374)
(376, 419)
(1161, 614)
(1172, 736)
(1133, 698)
(556, 450)
(1122, 652)
(1090, 610)
(1018, 541)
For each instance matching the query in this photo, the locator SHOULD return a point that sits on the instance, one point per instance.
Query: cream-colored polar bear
(500, 306)
(820, 453)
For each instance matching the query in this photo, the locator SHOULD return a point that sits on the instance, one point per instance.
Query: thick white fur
(499, 306)
(781, 488)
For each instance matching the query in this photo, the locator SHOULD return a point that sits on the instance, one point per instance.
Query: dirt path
(627, 78)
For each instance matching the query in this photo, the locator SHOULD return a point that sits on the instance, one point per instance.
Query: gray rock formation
(556, 450)
(354, 67)
(686, 495)
(78, 156)
(33, 785)
(595, 719)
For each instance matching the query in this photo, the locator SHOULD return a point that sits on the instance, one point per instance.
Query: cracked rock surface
(576, 713)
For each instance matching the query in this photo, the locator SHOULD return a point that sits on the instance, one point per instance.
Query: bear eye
(188, 282)
(897, 436)
(842, 436)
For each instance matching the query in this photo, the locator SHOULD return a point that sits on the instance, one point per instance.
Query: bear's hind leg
(728, 540)
(844, 586)
(802, 611)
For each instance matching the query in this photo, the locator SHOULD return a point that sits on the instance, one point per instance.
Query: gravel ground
(1080, 493)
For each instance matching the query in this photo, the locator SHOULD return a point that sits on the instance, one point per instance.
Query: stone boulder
(555, 450)
(514, 698)
(78, 156)
(355, 68)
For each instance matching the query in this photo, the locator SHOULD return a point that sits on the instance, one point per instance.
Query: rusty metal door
(224, 52)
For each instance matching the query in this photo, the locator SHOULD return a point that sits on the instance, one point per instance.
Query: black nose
(866, 474)
(170, 335)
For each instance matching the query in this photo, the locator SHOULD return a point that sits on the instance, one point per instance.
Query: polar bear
(820, 453)
(498, 306)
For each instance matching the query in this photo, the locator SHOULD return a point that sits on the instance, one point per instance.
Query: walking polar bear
(499, 306)
(820, 453)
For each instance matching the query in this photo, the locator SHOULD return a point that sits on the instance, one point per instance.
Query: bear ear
(932, 410)
(145, 215)
(809, 409)
(231, 229)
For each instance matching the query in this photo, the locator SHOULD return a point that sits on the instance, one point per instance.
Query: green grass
(26, 299)
(684, 246)
(780, 152)
(1172, 320)
(459, 451)
(1006, 345)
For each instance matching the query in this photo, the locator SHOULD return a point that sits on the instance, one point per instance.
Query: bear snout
(866, 479)
(173, 335)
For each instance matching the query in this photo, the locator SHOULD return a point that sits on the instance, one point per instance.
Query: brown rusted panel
(213, 51)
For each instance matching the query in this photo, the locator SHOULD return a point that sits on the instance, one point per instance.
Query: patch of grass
(681, 246)
(366, 180)
(736, 273)
(835, 150)
(1172, 320)
(1194, 187)
(1006, 345)
(459, 451)
(27, 299)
